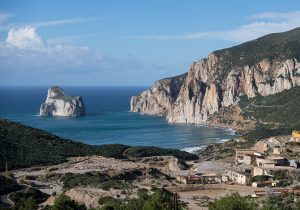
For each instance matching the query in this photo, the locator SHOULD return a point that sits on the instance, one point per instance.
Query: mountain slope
(24, 146)
(262, 67)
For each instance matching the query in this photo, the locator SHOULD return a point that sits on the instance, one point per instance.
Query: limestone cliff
(263, 67)
(60, 104)
(158, 99)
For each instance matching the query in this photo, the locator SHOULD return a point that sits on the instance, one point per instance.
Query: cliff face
(159, 99)
(60, 104)
(220, 80)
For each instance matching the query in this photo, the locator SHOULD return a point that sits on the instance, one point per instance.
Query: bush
(232, 202)
(63, 202)
(156, 151)
(157, 201)
(259, 178)
(21, 197)
(8, 185)
(94, 179)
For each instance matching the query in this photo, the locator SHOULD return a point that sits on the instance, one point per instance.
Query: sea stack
(60, 104)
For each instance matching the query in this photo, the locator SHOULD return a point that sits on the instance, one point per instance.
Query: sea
(108, 119)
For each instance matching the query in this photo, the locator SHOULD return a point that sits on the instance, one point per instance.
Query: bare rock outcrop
(60, 104)
(158, 99)
(223, 78)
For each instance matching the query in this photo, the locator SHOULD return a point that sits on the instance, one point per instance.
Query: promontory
(58, 103)
(215, 90)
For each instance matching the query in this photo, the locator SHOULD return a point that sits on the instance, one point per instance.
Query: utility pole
(175, 200)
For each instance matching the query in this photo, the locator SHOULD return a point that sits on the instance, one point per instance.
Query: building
(259, 171)
(265, 163)
(278, 150)
(208, 178)
(272, 162)
(246, 156)
(238, 177)
(294, 164)
(295, 136)
(269, 144)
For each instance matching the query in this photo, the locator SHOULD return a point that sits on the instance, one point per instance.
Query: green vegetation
(261, 178)
(64, 202)
(156, 151)
(159, 201)
(29, 196)
(275, 114)
(285, 202)
(284, 178)
(24, 146)
(8, 185)
(28, 204)
(281, 109)
(94, 179)
(236, 202)
(233, 202)
(273, 47)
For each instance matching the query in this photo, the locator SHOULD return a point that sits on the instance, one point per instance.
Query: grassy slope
(281, 109)
(276, 114)
(277, 46)
(24, 146)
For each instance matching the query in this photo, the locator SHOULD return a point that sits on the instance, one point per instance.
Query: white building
(236, 176)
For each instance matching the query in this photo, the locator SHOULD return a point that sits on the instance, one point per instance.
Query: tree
(63, 202)
(28, 204)
(233, 202)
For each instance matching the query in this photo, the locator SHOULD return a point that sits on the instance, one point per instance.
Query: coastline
(197, 149)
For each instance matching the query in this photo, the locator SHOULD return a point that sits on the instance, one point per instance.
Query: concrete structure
(246, 156)
(209, 178)
(258, 171)
(295, 137)
(268, 144)
(265, 163)
(278, 150)
(236, 176)
(272, 162)
(294, 164)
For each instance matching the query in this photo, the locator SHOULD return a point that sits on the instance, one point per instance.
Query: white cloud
(26, 59)
(66, 21)
(25, 37)
(264, 23)
(4, 17)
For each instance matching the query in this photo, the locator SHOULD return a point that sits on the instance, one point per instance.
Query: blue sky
(136, 42)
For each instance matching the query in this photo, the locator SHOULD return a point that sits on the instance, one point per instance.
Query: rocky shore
(58, 103)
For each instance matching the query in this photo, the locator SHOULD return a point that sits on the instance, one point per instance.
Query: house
(273, 193)
(272, 162)
(257, 194)
(239, 177)
(265, 163)
(294, 164)
(259, 171)
(264, 145)
(278, 150)
(208, 178)
(190, 179)
(246, 156)
(295, 137)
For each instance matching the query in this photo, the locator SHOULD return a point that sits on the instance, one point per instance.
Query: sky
(125, 42)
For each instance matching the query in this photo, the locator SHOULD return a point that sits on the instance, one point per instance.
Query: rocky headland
(58, 103)
(211, 91)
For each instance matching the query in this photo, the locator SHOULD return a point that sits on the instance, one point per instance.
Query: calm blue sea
(108, 119)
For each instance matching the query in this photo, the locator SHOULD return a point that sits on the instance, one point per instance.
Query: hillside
(274, 47)
(211, 91)
(24, 146)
